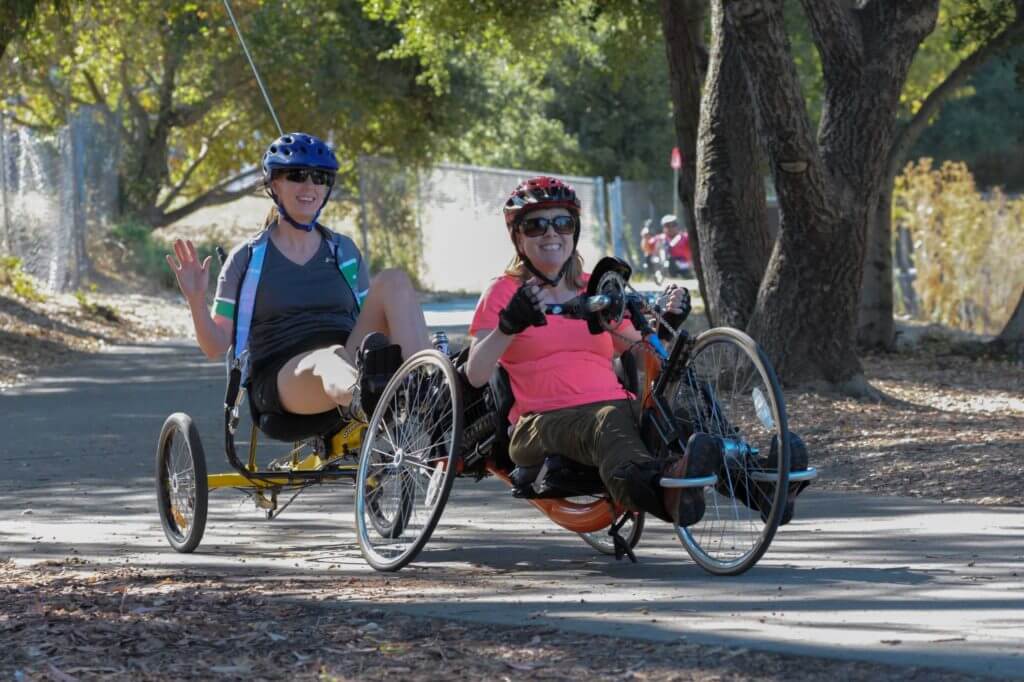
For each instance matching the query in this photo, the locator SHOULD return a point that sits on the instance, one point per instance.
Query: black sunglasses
(538, 227)
(299, 175)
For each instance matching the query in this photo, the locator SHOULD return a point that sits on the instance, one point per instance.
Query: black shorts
(263, 383)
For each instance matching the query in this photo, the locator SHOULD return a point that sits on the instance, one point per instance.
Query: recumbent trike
(431, 426)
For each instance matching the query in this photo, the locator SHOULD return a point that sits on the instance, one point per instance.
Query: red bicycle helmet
(537, 193)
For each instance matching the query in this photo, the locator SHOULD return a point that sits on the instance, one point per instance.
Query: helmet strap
(306, 227)
(548, 281)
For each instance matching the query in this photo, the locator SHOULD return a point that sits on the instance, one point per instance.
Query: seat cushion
(296, 427)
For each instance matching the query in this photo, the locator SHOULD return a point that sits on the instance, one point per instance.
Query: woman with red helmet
(568, 400)
(296, 302)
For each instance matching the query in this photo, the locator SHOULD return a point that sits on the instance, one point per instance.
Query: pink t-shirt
(558, 365)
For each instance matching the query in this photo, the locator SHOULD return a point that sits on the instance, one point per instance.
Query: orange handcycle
(431, 427)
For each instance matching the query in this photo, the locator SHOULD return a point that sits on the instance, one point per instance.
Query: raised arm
(213, 330)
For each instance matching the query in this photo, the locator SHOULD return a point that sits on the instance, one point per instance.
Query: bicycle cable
(259, 81)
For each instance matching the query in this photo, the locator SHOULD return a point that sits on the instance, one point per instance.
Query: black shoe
(703, 457)
(760, 496)
(797, 462)
(377, 360)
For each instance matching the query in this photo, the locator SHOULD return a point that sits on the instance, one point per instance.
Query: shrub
(147, 252)
(13, 276)
(967, 245)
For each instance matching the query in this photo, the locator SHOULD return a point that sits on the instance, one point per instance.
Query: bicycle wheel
(407, 461)
(631, 531)
(182, 493)
(729, 389)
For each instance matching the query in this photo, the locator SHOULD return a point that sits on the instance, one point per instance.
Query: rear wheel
(729, 390)
(408, 460)
(181, 487)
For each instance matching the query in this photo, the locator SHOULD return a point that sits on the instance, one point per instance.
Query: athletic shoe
(703, 457)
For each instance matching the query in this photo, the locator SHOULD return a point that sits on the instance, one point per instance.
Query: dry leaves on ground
(50, 333)
(952, 429)
(63, 621)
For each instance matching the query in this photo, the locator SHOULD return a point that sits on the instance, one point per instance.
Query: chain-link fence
(53, 190)
(444, 224)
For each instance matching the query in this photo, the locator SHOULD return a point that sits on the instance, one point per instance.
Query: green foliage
(394, 235)
(22, 284)
(983, 128)
(93, 308)
(966, 246)
(583, 91)
(146, 252)
(179, 91)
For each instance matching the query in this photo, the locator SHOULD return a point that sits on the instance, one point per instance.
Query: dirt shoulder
(951, 429)
(52, 332)
(65, 622)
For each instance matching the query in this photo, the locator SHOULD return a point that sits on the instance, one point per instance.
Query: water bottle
(440, 342)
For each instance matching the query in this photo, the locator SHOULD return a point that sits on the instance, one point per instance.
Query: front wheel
(182, 493)
(728, 389)
(408, 460)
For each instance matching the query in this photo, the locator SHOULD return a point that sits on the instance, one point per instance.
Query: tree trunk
(806, 313)
(1011, 340)
(730, 198)
(683, 25)
(875, 326)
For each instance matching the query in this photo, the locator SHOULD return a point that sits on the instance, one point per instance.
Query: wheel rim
(630, 532)
(179, 485)
(730, 392)
(406, 461)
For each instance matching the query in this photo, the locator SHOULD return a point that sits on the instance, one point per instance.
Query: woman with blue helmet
(296, 301)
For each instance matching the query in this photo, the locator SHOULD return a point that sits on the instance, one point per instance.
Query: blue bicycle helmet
(299, 150)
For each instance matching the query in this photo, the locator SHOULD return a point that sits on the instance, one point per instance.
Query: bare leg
(392, 308)
(315, 382)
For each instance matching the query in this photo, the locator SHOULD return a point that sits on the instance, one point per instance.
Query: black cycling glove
(675, 320)
(520, 313)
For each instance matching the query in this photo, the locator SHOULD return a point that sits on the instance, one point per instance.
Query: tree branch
(837, 36)
(797, 167)
(204, 151)
(212, 198)
(909, 134)
(137, 111)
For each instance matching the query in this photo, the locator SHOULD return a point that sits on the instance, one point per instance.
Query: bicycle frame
(590, 517)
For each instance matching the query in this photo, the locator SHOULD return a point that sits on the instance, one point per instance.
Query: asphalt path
(892, 580)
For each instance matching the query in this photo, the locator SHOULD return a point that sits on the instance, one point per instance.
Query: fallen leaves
(129, 624)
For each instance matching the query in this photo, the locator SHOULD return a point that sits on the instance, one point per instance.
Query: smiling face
(301, 199)
(549, 251)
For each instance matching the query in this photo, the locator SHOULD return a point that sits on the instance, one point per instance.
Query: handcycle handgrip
(579, 307)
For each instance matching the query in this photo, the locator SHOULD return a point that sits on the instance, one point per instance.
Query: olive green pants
(602, 435)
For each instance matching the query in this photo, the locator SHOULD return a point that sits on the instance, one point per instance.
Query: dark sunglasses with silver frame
(538, 227)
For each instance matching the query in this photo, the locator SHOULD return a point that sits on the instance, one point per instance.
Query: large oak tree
(807, 303)
(977, 31)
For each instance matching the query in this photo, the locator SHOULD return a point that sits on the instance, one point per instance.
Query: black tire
(729, 389)
(414, 439)
(602, 542)
(389, 520)
(182, 492)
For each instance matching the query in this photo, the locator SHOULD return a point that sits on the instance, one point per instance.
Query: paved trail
(885, 579)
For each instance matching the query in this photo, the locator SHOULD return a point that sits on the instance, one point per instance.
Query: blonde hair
(272, 217)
